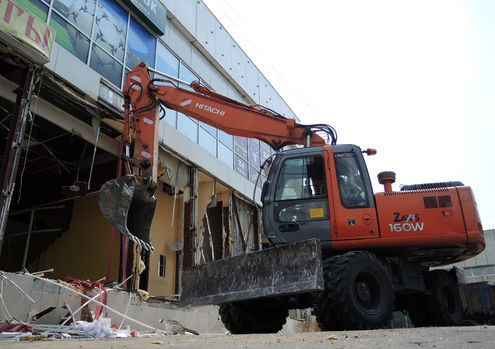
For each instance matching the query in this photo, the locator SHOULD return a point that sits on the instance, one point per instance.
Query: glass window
(254, 152)
(166, 62)
(226, 155)
(212, 130)
(111, 28)
(188, 126)
(253, 174)
(241, 166)
(140, 46)
(106, 65)
(301, 178)
(241, 146)
(226, 139)
(207, 141)
(36, 7)
(162, 264)
(79, 12)
(187, 75)
(264, 151)
(70, 38)
(301, 190)
(490, 270)
(351, 184)
(476, 271)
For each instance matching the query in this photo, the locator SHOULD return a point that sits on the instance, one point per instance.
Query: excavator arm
(219, 111)
(128, 202)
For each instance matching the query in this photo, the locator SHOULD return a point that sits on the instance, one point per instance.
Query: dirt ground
(451, 337)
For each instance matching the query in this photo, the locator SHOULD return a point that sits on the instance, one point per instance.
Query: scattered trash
(97, 328)
(333, 337)
(15, 328)
(60, 322)
(35, 337)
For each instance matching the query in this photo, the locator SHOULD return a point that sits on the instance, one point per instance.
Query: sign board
(151, 12)
(18, 24)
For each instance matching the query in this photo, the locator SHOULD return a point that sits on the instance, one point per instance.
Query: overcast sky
(413, 79)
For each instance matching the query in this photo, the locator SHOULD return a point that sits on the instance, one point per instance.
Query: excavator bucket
(129, 206)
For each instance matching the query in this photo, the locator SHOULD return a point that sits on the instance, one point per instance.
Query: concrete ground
(443, 337)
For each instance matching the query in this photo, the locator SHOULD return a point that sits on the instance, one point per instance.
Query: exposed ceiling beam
(62, 119)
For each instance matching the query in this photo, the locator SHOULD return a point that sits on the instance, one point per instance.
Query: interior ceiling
(51, 157)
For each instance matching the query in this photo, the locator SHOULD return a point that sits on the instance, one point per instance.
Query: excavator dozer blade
(129, 207)
(286, 270)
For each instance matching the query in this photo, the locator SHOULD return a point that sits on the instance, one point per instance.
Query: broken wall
(82, 251)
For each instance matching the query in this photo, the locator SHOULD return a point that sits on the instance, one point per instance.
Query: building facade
(71, 146)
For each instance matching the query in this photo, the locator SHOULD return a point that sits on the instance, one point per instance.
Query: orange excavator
(353, 255)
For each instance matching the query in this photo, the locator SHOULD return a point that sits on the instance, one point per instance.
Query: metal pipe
(94, 153)
(34, 232)
(28, 239)
(10, 163)
(168, 76)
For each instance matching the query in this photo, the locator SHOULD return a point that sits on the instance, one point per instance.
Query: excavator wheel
(358, 293)
(444, 306)
(260, 316)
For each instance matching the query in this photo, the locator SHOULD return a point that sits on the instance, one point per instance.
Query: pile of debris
(81, 310)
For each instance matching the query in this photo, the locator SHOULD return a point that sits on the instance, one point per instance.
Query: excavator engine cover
(280, 271)
(129, 206)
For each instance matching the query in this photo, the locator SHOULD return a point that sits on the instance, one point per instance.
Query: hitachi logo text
(210, 109)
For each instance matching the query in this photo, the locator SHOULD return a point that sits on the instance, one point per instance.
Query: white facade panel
(205, 28)
(201, 65)
(71, 69)
(184, 11)
(179, 43)
(223, 47)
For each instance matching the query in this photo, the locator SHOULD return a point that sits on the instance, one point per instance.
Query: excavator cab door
(353, 204)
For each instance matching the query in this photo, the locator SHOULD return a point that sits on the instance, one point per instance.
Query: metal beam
(62, 119)
(13, 147)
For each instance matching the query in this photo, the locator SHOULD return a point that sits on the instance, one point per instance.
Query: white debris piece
(97, 328)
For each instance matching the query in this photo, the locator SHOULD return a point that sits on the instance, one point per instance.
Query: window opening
(162, 263)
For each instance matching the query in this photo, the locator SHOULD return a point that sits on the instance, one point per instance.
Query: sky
(413, 79)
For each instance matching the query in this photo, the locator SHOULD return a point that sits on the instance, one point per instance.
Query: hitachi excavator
(352, 255)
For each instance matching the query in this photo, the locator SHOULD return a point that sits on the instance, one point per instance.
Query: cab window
(350, 180)
(301, 191)
(301, 178)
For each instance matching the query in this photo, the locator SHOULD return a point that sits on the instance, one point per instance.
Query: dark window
(162, 265)
(445, 201)
(430, 201)
(350, 179)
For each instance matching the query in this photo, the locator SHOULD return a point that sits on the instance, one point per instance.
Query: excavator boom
(129, 204)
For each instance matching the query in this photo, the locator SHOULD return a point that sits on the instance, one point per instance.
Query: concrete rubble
(36, 308)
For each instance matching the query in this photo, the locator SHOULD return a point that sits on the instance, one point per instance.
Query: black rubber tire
(260, 316)
(444, 306)
(358, 293)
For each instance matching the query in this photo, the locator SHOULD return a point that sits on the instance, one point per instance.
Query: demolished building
(62, 71)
